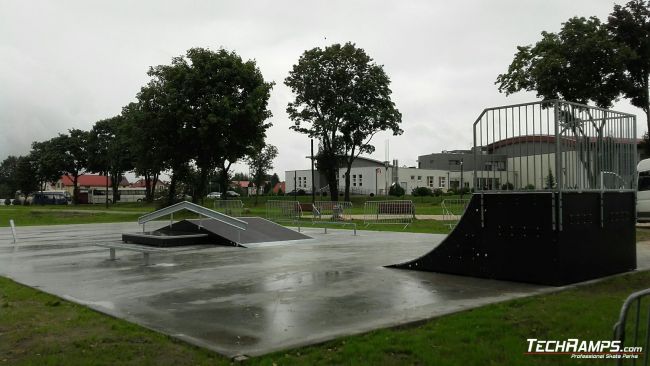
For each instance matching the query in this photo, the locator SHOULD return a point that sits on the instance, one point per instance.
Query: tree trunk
(148, 192)
(347, 182)
(203, 181)
(171, 194)
(75, 189)
(115, 181)
(332, 181)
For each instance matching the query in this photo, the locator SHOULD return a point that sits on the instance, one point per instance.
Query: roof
(279, 186)
(91, 180)
(549, 139)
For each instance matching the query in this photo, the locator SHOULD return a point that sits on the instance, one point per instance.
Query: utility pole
(313, 184)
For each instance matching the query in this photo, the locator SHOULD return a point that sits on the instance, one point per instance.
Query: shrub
(508, 186)
(396, 190)
(372, 194)
(438, 192)
(530, 186)
(421, 192)
(280, 193)
(301, 192)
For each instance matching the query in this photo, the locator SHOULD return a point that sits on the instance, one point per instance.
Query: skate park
(254, 294)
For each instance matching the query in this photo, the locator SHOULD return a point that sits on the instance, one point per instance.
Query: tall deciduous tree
(343, 99)
(260, 163)
(630, 28)
(147, 143)
(581, 64)
(71, 154)
(212, 107)
(109, 150)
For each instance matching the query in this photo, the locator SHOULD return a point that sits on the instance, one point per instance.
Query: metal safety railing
(192, 207)
(284, 211)
(401, 212)
(632, 330)
(553, 145)
(452, 210)
(333, 213)
(229, 207)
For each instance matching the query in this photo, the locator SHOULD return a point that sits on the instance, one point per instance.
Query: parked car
(48, 198)
(232, 194)
(214, 195)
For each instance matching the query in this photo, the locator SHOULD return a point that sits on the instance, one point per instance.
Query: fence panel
(283, 210)
(553, 145)
(400, 212)
(229, 207)
(332, 211)
(633, 328)
(452, 210)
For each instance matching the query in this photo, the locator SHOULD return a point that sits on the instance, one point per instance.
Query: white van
(643, 191)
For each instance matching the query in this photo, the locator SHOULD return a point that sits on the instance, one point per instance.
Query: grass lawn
(40, 329)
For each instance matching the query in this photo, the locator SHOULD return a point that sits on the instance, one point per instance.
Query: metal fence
(288, 211)
(553, 145)
(452, 210)
(400, 212)
(332, 211)
(632, 327)
(229, 207)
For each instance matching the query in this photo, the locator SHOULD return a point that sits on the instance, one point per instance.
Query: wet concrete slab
(255, 300)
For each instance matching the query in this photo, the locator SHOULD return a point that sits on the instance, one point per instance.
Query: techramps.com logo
(576, 348)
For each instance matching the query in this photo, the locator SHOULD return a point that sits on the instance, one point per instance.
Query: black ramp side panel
(259, 230)
(519, 238)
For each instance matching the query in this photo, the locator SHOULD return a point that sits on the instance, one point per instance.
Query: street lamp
(461, 179)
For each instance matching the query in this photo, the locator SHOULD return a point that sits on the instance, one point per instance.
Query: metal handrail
(619, 327)
(185, 205)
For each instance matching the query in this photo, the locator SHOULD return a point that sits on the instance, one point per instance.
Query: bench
(136, 248)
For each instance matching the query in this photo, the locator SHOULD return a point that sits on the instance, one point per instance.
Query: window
(430, 182)
(304, 182)
(644, 181)
(413, 177)
(419, 177)
(354, 180)
(360, 182)
(442, 182)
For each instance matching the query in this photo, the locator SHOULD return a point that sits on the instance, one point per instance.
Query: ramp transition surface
(259, 230)
(526, 237)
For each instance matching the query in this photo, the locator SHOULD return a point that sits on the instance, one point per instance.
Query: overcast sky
(67, 64)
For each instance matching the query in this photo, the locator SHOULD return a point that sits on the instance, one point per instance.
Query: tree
(630, 28)
(211, 109)
(274, 181)
(580, 64)
(147, 143)
(72, 156)
(342, 98)
(109, 150)
(47, 162)
(260, 163)
(8, 168)
(550, 180)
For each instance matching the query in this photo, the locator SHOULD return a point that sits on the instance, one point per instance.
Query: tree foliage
(342, 98)
(260, 163)
(210, 107)
(109, 150)
(630, 28)
(580, 64)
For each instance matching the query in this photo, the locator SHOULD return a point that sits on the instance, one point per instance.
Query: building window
(354, 180)
(419, 177)
(360, 182)
(304, 182)
(430, 182)
(413, 177)
(442, 182)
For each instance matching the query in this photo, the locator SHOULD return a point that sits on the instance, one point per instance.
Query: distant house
(160, 185)
(85, 183)
(280, 186)
(248, 187)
